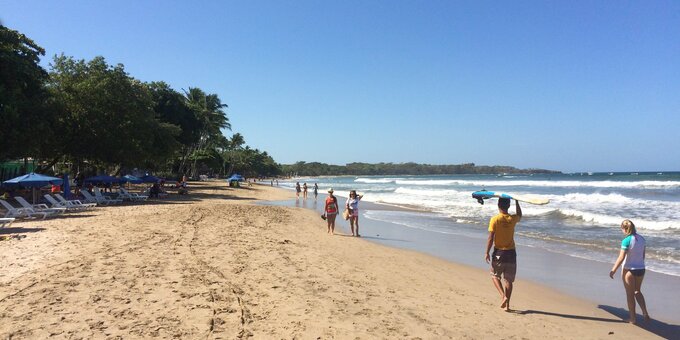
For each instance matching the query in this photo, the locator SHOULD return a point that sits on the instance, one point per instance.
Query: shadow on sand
(657, 327)
(19, 230)
(568, 316)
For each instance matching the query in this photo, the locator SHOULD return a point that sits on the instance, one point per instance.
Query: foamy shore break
(213, 264)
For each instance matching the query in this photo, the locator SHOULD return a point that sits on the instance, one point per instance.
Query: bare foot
(504, 303)
(647, 318)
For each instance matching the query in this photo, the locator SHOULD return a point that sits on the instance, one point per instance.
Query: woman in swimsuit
(632, 255)
(353, 206)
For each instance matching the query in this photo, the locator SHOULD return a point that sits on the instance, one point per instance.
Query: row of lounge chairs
(60, 205)
(123, 195)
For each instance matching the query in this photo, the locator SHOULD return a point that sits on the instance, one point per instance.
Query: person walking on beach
(352, 206)
(316, 191)
(632, 256)
(331, 211)
(297, 189)
(504, 257)
(304, 190)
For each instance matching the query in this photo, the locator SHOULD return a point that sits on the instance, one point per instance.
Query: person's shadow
(561, 315)
(657, 327)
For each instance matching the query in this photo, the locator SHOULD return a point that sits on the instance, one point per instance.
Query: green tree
(26, 117)
(108, 117)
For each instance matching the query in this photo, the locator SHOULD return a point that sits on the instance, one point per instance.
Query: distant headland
(387, 169)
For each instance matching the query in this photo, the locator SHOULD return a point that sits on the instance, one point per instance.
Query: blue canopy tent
(235, 179)
(32, 180)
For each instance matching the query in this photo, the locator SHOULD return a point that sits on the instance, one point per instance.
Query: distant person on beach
(352, 206)
(504, 257)
(304, 190)
(316, 191)
(297, 189)
(331, 211)
(632, 255)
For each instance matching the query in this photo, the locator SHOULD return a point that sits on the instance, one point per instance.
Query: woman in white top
(632, 255)
(352, 206)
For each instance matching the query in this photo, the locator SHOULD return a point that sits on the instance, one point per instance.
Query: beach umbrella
(131, 179)
(32, 180)
(67, 187)
(150, 179)
(102, 179)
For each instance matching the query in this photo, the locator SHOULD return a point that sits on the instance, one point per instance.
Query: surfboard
(480, 196)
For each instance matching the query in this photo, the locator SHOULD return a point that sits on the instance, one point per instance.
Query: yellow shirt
(503, 226)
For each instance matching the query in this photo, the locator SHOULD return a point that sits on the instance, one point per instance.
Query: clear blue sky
(565, 85)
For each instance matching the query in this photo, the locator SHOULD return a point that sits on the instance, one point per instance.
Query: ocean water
(582, 220)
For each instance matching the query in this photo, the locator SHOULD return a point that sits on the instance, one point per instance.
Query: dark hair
(504, 203)
(353, 192)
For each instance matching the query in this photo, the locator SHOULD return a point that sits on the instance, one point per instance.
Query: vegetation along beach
(339, 170)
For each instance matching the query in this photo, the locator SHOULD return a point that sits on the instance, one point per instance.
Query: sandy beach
(214, 264)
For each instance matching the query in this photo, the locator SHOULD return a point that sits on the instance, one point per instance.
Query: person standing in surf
(316, 191)
(297, 189)
(304, 190)
(504, 258)
(352, 206)
(331, 211)
(632, 256)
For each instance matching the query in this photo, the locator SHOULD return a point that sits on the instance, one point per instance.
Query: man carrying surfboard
(504, 258)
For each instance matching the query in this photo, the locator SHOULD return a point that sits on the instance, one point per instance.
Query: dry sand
(215, 265)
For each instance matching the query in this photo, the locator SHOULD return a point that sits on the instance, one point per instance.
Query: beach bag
(345, 214)
(323, 217)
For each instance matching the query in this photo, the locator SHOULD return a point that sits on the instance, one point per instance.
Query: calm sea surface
(582, 219)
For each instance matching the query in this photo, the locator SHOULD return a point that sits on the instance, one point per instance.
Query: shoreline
(216, 264)
(578, 277)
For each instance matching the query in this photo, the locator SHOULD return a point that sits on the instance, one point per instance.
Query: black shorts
(504, 264)
(637, 272)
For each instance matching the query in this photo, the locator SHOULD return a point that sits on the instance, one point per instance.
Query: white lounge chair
(92, 199)
(39, 207)
(131, 195)
(74, 203)
(88, 197)
(56, 204)
(101, 198)
(6, 221)
(21, 212)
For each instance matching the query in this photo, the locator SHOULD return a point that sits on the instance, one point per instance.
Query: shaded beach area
(216, 264)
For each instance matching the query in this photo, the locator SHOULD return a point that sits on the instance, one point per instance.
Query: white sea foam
(430, 192)
(375, 180)
(543, 183)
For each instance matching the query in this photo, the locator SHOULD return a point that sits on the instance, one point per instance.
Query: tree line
(94, 117)
(387, 169)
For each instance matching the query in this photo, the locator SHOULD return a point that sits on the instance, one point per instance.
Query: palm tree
(209, 110)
